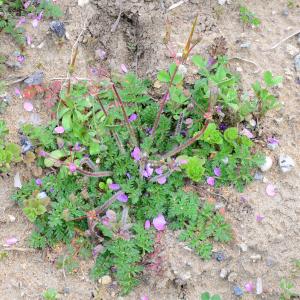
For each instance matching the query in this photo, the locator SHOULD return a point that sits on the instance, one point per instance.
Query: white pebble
(267, 165)
(286, 163)
(259, 287)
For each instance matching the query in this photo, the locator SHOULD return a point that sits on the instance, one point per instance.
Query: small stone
(243, 247)
(252, 123)
(272, 146)
(292, 50)
(258, 176)
(285, 12)
(238, 291)
(255, 257)
(286, 163)
(298, 40)
(83, 2)
(66, 290)
(25, 144)
(223, 273)
(35, 79)
(17, 181)
(105, 280)
(11, 218)
(270, 261)
(58, 28)
(219, 256)
(297, 63)
(221, 2)
(246, 45)
(259, 287)
(267, 165)
(232, 277)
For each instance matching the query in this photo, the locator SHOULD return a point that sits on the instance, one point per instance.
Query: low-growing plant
(248, 17)
(9, 152)
(287, 290)
(13, 13)
(207, 296)
(50, 294)
(120, 162)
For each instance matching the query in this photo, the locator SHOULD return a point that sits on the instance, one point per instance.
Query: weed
(207, 296)
(287, 290)
(50, 294)
(136, 156)
(13, 13)
(248, 17)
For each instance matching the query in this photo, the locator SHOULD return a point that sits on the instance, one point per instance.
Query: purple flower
(124, 68)
(136, 154)
(98, 249)
(166, 96)
(35, 22)
(223, 127)
(101, 53)
(21, 21)
(217, 171)
(28, 39)
(210, 181)
(273, 141)
(38, 181)
(247, 133)
(114, 186)
(20, 58)
(147, 224)
(132, 117)
(159, 171)
(26, 4)
(51, 190)
(211, 61)
(148, 171)
(219, 109)
(72, 167)
(162, 180)
(40, 16)
(249, 287)
(259, 218)
(11, 241)
(18, 92)
(77, 147)
(123, 198)
(159, 222)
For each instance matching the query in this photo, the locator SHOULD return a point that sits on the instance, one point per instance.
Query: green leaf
(194, 168)
(215, 297)
(271, 80)
(94, 148)
(163, 76)
(67, 121)
(231, 134)
(205, 296)
(178, 77)
(199, 61)
(55, 155)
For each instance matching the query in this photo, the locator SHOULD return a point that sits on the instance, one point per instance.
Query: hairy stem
(130, 129)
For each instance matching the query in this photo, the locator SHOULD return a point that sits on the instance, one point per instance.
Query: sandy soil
(138, 41)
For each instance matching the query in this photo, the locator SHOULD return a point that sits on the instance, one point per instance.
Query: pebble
(66, 290)
(255, 257)
(223, 273)
(285, 12)
(270, 261)
(25, 144)
(246, 45)
(83, 2)
(238, 291)
(232, 277)
(11, 218)
(219, 256)
(267, 165)
(258, 176)
(35, 79)
(243, 247)
(297, 63)
(286, 163)
(252, 123)
(259, 287)
(222, 2)
(105, 280)
(272, 146)
(17, 181)
(58, 28)
(292, 50)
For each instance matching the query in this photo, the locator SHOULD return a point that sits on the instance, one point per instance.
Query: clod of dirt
(35, 79)
(232, 277)
(219, 47)
(286, 163)
(105, 280)
(223, 273)
(58, 28)
(83, 2)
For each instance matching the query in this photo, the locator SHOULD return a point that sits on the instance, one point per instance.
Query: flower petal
(123, 198)
(159, 222)
(136, 154)
(11, 241)
(59, 129)
(271, 190)
(28, 106)
(147, 224)
(114, 186)
(210, 181)
(162, 180)
(217, 171)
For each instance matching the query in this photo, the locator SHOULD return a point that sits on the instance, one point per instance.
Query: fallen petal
(122, 198)
(28, 106)
(271, 190)
(162, 180)
(147, 224)
(17, 181)
(159, 222)
(59, 129)
(11, 241)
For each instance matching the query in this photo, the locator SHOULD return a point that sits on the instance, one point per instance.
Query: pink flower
(249, 287)
(114, 186)
(159, 222)
(132, 117)
(123, 198)
(159, 171)
(144, 298)
(26, 4)
(147, 224)
(21, 21)
(18, 92)
(271, 190)
(124, 68)
(148, 171)
(11, 241)
(210, 181)
(72, 167)
(259, 218)
(35, 23)
(162, 180)
(28, 106)
(136, 154)
(217, 171)
(42, 153)
(38, 181)
(20, 58)
(59, 129)
(247, 133)
(272, 140)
